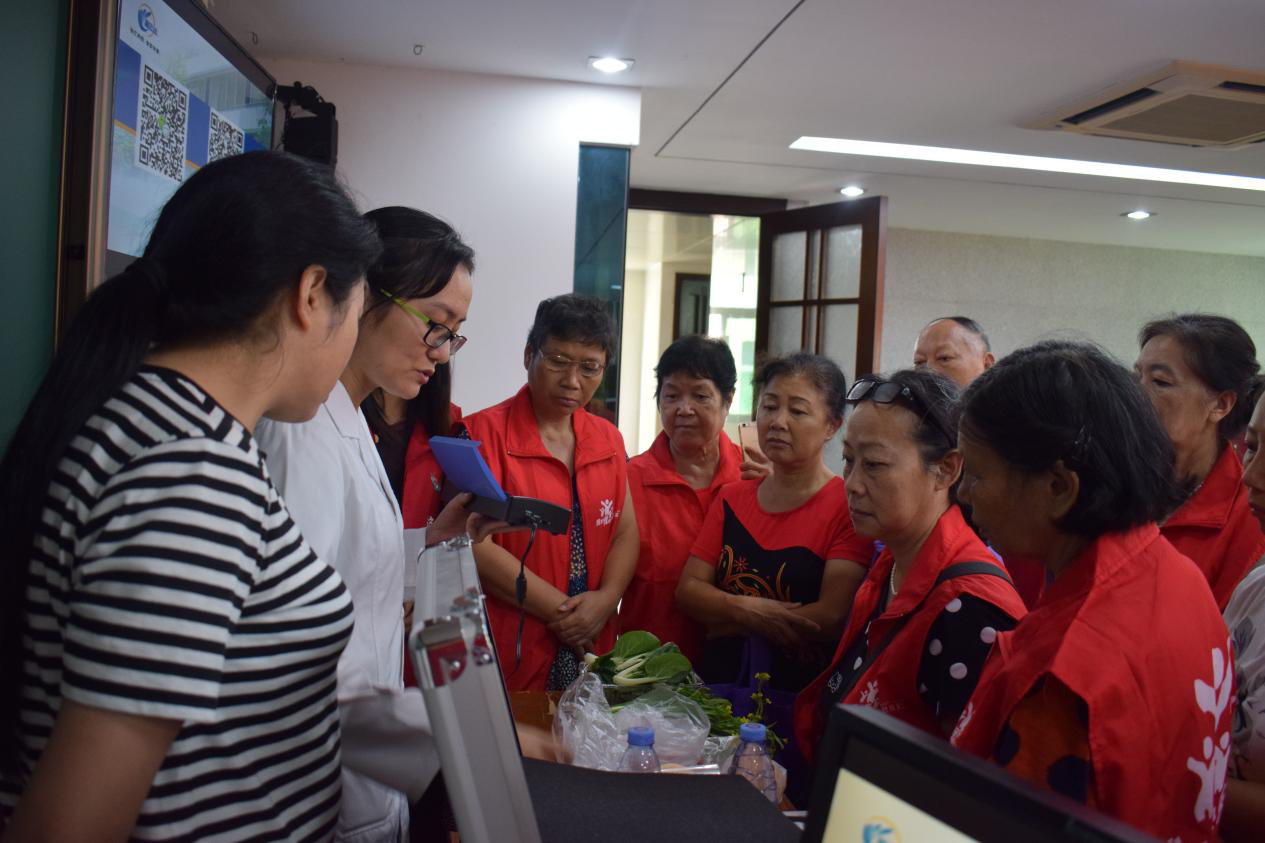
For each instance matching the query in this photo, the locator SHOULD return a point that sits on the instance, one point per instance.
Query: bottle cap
(641, 736)
(752, 732)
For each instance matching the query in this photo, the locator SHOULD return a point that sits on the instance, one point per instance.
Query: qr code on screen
(226, 139)
(164, 122)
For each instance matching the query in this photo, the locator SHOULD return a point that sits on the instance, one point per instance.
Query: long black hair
(420, 254)
(228, 244)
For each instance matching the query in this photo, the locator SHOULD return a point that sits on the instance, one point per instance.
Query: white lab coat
(334, 485)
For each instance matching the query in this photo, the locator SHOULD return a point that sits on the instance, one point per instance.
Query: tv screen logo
(145, 19)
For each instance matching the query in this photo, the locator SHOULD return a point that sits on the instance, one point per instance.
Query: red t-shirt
(669, 514)
(779, 555)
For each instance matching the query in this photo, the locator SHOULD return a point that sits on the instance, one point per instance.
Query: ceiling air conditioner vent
(1182, 103)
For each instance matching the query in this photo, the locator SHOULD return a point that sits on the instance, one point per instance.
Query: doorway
(685, 274)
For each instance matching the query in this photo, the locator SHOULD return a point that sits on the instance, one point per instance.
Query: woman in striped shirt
(169, 639)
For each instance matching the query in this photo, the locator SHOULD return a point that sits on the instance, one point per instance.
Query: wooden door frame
(871, 215)
(677, 278)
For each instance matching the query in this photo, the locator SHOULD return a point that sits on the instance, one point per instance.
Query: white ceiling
(963, 74)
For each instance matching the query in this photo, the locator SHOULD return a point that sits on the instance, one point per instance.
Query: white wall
(497, 157)
(1022, 290)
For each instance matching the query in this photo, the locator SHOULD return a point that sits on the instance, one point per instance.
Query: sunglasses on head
(889, 392)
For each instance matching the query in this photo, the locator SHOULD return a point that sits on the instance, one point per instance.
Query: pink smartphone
(748, 437)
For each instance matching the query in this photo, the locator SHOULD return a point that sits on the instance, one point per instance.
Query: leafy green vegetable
(633, 643)
(662, 667)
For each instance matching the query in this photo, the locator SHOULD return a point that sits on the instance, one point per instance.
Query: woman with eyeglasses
(543, 443)
(1199, 370)
(340, 493)
(1115, 689)
(936, 597)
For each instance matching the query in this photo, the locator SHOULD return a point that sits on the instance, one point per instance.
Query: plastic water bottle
(639, 757)
(753, 763)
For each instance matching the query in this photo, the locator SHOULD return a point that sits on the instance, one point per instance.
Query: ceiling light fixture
(609, 64)
(948, 155)
(1139, 214)
(852, 191)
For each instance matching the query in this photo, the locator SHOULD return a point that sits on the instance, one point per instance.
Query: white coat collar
(344, 414)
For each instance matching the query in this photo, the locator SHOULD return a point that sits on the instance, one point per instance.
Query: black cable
(520, 592)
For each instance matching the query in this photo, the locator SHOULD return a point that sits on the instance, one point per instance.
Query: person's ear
(527, 354)
(948, 469)
(310, 301)
(989, 360)
(832, 428)
(1063, 488)
(1221, 408)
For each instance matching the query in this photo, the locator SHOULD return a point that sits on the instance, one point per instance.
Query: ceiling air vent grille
(1182, 103)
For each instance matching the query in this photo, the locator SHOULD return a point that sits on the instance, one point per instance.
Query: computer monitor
(880, 780)
(185, 94)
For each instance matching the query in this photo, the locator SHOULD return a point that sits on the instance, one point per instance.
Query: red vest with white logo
(1216, 529)
(669, 515)
(1131, 628)
(520, 462)
(890, 684)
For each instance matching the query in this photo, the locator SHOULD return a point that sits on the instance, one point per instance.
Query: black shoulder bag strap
(958, 569)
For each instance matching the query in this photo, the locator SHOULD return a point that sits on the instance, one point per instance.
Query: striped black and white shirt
(168, 580)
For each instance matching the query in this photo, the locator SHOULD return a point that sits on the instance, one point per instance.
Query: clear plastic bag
(596, 737)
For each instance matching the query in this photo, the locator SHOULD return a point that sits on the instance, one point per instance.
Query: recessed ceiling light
(1139, 214)
(852, 191)
(609, 64)
(948, 155)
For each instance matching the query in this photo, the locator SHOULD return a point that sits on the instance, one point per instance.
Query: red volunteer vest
(423, 478)
(520, 462)
(890, 684)
(1216, 529)
(1129, 627)
(669, 514)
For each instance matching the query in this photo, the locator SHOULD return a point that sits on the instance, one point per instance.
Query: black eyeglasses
(435, 334)
(888, 392)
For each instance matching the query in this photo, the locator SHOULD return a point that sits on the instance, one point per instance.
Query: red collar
(1213, 503)
(522, 435)
(660, 469)
(949, 541)
(1097, 563)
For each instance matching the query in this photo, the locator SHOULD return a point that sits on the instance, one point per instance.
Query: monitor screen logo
(145, 19)
(879, 830)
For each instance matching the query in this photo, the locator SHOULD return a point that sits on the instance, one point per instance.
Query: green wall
(33, 63)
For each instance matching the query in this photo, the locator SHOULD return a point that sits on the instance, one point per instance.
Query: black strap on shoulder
(958, 569)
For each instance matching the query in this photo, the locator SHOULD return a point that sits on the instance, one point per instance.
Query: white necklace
(891, 581)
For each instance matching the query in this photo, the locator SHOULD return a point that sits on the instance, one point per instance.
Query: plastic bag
(596, 737)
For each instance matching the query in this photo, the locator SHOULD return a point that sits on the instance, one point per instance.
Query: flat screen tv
(184, 94)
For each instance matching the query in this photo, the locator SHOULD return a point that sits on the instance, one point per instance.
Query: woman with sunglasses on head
(169, 639)
(776, 563)
(340, 493)
(1115, 688)
(1199, 370)
(928, 612)
(543, 443)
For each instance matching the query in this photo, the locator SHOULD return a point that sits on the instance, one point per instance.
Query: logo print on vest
(607, 513)
(1213, 699)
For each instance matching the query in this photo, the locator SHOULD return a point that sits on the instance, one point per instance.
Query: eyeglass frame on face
(432, 326)
(559, 363)
(857, 394)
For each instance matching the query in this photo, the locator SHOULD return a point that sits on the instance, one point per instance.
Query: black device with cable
(314, 136)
